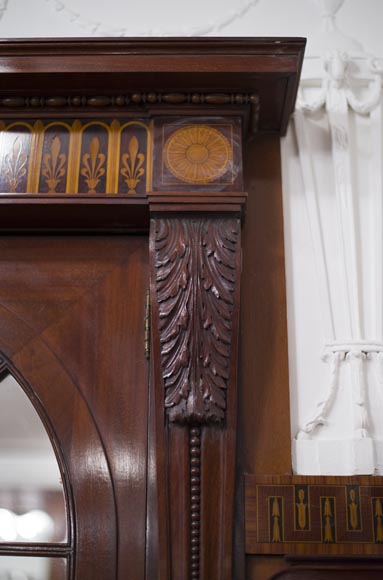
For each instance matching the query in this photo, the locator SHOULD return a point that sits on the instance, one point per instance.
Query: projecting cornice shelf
(268, 68)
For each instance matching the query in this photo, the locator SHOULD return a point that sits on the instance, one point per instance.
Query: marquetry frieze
(73, 156)
(114, 156)
(299, 514)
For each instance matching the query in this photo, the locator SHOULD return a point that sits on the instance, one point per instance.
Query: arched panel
(72, 315)
(79, 450)
(32, 501)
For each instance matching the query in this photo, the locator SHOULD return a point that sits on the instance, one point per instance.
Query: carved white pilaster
(339, 136)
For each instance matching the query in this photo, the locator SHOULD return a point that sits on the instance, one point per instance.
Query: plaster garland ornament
(323, 407)
(338, 86)
(97, 27)
(3, 7)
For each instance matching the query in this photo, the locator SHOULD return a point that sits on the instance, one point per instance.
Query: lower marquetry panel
(324, 515)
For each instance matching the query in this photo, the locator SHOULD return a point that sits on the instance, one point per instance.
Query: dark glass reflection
(32, 505)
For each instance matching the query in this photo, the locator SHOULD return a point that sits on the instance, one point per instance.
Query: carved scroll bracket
(196, 266)
(195, 263)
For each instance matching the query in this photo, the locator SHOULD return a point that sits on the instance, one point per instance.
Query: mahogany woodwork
(71, 312)
(195, 315)
(264, 432)
(330, 568)
(156, 455)
(264, 394)
(269, 68)
(196, 271)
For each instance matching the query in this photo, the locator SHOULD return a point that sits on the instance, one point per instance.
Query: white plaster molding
(341, 74)
(376, 187)
(323, 407)
(340, 85)
(357, 376)
(97, 27)
(366, 346)
(379, 368)
(311, 195)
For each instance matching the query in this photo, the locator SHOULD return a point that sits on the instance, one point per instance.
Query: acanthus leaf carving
(195, 273)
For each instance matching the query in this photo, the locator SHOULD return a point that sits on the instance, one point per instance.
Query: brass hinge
(147, 326)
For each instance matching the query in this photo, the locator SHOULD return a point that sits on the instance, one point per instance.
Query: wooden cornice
(269, 68)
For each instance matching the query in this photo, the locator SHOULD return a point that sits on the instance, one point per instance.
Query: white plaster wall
(60, 18)
(309, 375)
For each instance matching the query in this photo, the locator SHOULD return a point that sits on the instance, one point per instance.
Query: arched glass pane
(32, 568)
(32, 503)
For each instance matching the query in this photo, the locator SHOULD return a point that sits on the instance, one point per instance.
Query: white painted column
(335, 184)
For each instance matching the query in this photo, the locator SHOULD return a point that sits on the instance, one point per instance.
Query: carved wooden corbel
(196, 273)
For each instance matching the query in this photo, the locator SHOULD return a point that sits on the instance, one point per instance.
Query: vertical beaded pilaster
(195, 500)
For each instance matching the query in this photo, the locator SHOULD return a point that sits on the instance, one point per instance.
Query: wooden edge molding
(233, 202)
(142, 72)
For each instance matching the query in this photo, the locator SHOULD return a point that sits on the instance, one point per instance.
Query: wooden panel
(329, 568)
(351, 572)
(72, 316)
(264, 394)
(264, 422)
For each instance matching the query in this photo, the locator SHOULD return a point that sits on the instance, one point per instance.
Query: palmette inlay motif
(197, 154)
(15, 165)
(93, 165)
(133, 162)
(54, 165)
(196, 263)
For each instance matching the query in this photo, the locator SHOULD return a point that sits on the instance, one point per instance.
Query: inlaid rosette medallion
(197, 154)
